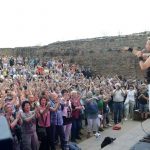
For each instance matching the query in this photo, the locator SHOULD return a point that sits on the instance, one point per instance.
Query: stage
(126, 138)
(130, 140)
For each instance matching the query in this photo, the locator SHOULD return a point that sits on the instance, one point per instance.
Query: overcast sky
(41, 22)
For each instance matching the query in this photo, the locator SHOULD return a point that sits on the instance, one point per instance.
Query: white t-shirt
(118, 96)
(131, 95)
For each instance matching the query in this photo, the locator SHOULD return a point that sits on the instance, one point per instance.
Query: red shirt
(75, 102)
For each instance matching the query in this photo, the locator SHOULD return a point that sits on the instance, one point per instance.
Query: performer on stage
(144, 62)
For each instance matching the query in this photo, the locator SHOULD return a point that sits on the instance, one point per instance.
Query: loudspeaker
(137, 115)
(6, 140)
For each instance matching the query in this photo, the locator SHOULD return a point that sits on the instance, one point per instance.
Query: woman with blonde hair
(76, 108)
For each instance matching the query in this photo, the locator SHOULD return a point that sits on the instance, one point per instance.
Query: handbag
(41, 131)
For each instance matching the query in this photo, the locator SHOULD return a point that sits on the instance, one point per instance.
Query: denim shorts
(143, 108)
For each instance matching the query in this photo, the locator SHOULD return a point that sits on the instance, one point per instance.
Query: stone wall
(102, 54)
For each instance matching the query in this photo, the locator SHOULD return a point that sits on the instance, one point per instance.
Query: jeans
(143, 108)
(45, 143)
(30, 141)
(67, 130)
(118, 111)
(92, 125)
(129, 108)
(61, 134)
(75, 130)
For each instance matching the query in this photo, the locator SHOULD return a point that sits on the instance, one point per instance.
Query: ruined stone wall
(102, 54)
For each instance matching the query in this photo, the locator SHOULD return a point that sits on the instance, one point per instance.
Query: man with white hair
(91, 109)
(118, 99)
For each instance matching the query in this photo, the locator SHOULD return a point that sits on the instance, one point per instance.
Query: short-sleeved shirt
(142, 100)
(28, 127)
(118, 97)
(131, 95)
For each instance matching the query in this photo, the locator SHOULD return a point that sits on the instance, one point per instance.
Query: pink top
(45, 122)
(65, 110)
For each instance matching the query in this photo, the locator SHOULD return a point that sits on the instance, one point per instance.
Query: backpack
(108, 140)
(117, 127)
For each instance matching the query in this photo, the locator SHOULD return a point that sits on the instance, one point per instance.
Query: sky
(41, 22)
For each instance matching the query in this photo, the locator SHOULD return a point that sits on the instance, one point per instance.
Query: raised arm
(29, 119)
(144, 64)
(55, 108)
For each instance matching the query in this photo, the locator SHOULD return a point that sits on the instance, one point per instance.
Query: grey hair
(89, 94)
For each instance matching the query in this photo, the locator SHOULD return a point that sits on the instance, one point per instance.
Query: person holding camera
(118, 99)
(143, 101)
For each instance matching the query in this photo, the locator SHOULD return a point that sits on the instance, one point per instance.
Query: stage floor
(126, 138)
(141, 146)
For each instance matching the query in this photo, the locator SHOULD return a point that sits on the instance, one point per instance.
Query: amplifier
(137, 115)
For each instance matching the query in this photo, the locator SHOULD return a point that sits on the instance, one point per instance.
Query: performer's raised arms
(136, 51)
(144, 62)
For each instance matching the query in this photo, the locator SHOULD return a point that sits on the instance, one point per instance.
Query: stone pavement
(129, 135)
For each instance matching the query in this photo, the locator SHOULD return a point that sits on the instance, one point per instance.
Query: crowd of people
(46, 102)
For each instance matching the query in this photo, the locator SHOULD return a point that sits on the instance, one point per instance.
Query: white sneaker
(110, 125)
(97, 134)
(125, 119)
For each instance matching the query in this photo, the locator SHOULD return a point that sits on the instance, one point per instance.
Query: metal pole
(149, 96)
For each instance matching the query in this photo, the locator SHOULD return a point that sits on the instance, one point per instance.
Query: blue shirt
(56, 117)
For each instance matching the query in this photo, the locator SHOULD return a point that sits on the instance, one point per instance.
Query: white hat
(2, 77)
(117, 84)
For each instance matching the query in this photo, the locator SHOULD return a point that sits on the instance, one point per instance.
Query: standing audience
(45, 102)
